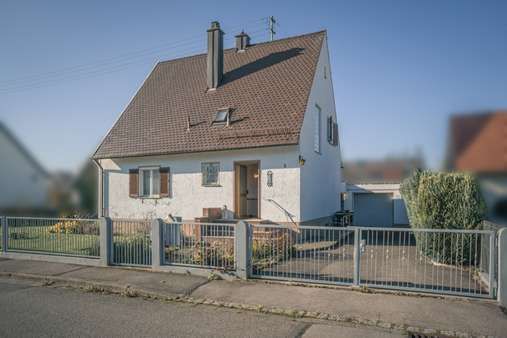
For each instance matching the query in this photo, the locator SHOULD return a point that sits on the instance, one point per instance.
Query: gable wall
(321, 174)
(189, 197)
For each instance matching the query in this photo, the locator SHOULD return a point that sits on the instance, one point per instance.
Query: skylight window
(222, 116)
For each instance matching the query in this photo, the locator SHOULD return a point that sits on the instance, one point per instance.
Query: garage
(373, 209)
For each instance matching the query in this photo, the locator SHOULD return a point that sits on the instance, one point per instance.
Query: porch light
(270, 178)
(301, 160)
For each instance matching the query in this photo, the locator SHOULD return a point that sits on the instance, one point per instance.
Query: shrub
(132, 250)
(74, 227)
(269, 250)
(444, 201)
(217, 252)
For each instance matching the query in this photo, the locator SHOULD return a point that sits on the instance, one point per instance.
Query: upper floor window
(210, 172)
(149, 182)
(317, 128)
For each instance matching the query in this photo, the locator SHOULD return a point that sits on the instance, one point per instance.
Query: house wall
(399, 209)
(321, 174)
(189, 197)
(23, 184)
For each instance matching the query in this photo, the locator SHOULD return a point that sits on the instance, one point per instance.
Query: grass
(39, 239)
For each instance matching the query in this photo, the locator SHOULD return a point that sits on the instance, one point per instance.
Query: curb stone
(130, 291)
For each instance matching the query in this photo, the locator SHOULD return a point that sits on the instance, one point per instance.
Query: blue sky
(400, 68)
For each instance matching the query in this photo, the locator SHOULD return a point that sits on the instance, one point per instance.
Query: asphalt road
(28, 310)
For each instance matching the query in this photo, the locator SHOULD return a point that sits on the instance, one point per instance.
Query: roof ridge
(251, 46)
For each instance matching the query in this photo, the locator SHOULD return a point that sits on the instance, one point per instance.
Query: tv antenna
(272, 22)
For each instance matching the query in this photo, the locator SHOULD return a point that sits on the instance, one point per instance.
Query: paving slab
(159, 282)
(462, 315)
(331, 331)
(36, 267)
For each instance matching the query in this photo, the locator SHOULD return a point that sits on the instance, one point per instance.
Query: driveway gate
(456, 262)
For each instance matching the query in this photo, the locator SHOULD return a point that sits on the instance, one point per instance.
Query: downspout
(100, 189)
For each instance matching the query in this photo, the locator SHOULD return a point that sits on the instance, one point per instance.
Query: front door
(247, 189)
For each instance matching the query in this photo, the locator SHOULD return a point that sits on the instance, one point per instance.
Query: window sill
(211, 185)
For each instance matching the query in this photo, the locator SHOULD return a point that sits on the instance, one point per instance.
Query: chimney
(242, 41)
(215, 55)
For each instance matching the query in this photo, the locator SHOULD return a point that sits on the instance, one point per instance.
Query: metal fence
(131, 242)
(426, 260)
(423, 260)
(2, 220)
(60, 236)
(486, 250)
(205, 245)
(315, 254)
(457, 262)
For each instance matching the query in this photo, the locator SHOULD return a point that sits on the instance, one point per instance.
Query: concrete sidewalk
(450, 316)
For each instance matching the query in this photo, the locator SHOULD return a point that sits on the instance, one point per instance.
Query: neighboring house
(373, 190)
(250, 130)
(25, 183)
(478, 144)
(389, 170)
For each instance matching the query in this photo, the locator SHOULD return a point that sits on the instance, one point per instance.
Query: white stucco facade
(188, 196)
(321, 174)
(24, 184)
(305, 192)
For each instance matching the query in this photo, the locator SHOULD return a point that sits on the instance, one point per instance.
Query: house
(373, 190)
(392, 169)
(25, 183)
(477, 144)
(249, 131)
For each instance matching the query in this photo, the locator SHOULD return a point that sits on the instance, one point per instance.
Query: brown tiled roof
(266, 87)
(479, 142)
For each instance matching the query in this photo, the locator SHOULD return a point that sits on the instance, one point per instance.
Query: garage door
(373, 209)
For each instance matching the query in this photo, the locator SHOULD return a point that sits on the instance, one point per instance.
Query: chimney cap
(241, 34)
(214, 26)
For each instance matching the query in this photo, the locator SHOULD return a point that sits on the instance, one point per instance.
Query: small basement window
(222, 116)
(149, 182)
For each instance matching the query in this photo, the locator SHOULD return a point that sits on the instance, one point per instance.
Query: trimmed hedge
(437, 200)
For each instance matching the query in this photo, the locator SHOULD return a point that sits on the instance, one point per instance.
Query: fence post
(243, 249)
(357, 255)
(106, 241)
(5, 234)
(157, 248)
(492, 264)
(502, 267)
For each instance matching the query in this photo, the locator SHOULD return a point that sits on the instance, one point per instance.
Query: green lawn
(39, 239)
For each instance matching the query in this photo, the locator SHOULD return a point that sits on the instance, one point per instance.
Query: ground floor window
(149, 182)
(210, 171)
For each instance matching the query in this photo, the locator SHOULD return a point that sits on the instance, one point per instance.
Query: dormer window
(223, 116)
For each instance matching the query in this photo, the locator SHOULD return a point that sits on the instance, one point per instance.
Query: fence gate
(131, 242)
(456, 262)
